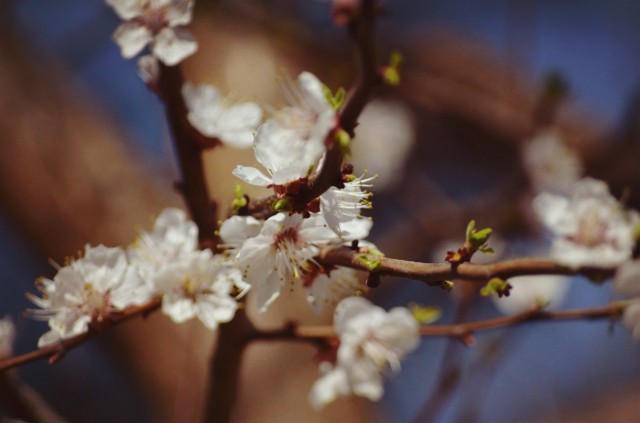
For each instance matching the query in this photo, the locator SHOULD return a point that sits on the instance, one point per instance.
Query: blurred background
(85, 156)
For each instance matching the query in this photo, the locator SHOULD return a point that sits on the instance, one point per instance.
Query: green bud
(344, 141)
(496, 286)
(282, 205)
(239, 201)
(425, 314)
(447, 285)
(396, 59)
(391, 76)
(335, 101)
(372, 263)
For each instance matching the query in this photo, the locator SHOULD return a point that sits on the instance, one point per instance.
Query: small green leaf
(425, 314)
(396, 58)
(239, 201)
(471, 226)
(335, 101)
(496, 286)
(391, 76)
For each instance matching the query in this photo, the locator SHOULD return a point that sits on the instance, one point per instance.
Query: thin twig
(56, 351)
(434, 273)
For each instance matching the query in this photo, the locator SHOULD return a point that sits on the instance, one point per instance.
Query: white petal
(178, 308)
(627, 279)
(132, 37)
(180, 12)
(172, 45)
(148, 69)
(268, 291)
(251, 175)
(331, 385)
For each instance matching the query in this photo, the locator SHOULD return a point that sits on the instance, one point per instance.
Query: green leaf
(425, 314)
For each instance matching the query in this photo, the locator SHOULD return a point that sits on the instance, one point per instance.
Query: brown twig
(56, 351)
(434, 273)
(463, 331)
(361, 30)
(193, 185)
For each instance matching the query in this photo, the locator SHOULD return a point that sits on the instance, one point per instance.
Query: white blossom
(237, 229)
(531, 291)
(627, 282)
(372, 341)
(341, 208)
(328, 290)
(552, 166)
(591, 227)
(7, 337)
(87, 290)
(292, 142)
(157, 23)
(199, 286)
(278, 254)
(234, 125)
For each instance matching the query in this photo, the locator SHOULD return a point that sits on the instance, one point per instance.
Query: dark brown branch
(361, 30)
(459, 330)
(434, 273)
(56, 351)
(193, 185)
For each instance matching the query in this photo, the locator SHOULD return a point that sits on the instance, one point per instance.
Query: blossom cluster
(96, 287)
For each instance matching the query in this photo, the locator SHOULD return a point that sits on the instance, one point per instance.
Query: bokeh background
(85, 156)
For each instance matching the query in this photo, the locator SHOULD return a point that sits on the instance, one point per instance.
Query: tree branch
(434, 273)
(56, 351)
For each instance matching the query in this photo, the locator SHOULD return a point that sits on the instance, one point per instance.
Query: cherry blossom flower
(7, 337)
(552, 166)
(325, 291)
(372, 341)
(234, 125)
(533, 291)
(341, 208)
(157, 23)
(278, 254)
(199, 286)
(173, 240)
(591, 227)
(292, 142)
(237, 229)
(87, 290)
(627, 282)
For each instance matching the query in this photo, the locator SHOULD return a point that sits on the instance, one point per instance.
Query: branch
(56, 351)
(361, 30)
(189, 150)
(435, 273)
(315, 334)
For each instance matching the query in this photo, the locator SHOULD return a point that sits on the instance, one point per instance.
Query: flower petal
(251, 175)
(131, 37)
(172, 45)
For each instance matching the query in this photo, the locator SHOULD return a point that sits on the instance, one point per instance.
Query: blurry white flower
(7, 337)
(87, 290)
(156, 23)
(371, 342)
(173, 240)
(278, 254)
(341, 209)
(384, 137)
(591, 228)
(531, 291)
(328, 290)
(234, 125)
(292, 142)
(149, 69)
(199, 286)
(552, 166)
(627, 282)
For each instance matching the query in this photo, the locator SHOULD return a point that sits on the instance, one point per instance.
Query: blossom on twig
(372, 341)
(199, 286)
(292, 142)
(278, 254)
(157, 23)
(86, 291)
(234, 125)
(591, 227)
